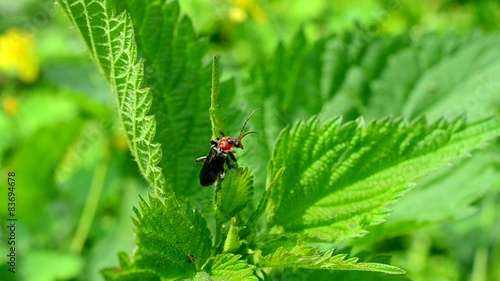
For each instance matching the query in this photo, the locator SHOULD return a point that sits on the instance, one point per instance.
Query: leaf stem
(218, 222)
(215, 120)
(90, 207)
(215, 108)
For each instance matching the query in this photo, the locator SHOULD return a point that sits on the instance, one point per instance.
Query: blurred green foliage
(77, 183)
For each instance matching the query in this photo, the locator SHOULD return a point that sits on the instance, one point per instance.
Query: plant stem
(218, 223)
(90, 207)
(215, 108)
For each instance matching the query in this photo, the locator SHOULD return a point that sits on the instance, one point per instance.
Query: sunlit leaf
(340, 178)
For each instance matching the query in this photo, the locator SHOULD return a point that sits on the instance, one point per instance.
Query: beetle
(213, 163)
(191, 258)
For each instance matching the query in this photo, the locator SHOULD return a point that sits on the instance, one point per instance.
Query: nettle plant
(326, 183)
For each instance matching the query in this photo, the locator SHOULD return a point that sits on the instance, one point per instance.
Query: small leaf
(235, 193)
(202, 276)
(294, 254)
(232, 242)
(229, 267)
(311, 274)
(339, 178)
(114, 274)
(172, 238)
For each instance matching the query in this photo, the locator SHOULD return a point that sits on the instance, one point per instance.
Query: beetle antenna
(244, 124)
(247, 133)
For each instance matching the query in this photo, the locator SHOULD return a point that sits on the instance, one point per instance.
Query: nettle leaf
(462, 186)
(232, 242)
(439, 76)
(311, 274)
(291, 253)
(357, 74)
(235, 193)
(230, 267)
(111, 42)
(180, 84)
(339, 178)
(173, 239)
(331, 76)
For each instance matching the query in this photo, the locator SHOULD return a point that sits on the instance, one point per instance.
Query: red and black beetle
(213, 163)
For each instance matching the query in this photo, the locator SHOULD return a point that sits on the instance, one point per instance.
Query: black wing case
(213, 166)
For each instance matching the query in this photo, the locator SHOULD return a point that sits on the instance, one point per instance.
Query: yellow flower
(17, 55)
(243, 7)
(10, 105)
(237, 14)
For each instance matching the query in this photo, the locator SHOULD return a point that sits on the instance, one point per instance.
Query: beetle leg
(201, 159)
(232, 156)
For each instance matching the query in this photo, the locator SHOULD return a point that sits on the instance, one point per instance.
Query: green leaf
(250, 230)
(111, 42)
(319, 275)
(339, 178)
(127, 272)
(202, 276)
(235, 193)
(112, 274)
(232, 243)
(291, 253)
(332, 76)
(462, 187)
(230, 267)
(173, 239)
(352, 75)
(215, 106)
(466, 185)
(440, 76)
(265, 196)
(180, 84)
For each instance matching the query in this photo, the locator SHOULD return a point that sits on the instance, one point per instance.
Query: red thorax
(227, 144)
